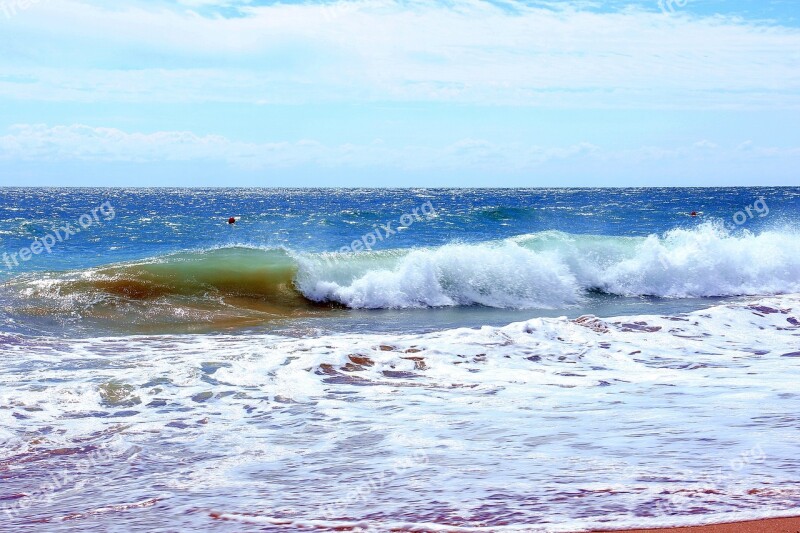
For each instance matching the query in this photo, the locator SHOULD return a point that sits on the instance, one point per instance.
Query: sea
(533, 360)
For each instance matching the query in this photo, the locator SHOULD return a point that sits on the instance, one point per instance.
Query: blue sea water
(397, 360)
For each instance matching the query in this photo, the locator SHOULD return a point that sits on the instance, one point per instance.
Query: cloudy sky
(399, 93)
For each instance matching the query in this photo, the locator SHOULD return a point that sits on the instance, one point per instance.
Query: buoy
(231, 220)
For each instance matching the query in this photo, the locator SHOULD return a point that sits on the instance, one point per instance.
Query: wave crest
(496, 274)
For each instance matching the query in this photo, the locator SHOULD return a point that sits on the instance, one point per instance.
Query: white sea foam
(497, 275)
(554, 422)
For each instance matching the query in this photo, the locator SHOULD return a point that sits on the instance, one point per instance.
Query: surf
(241, 285)
(554, 270)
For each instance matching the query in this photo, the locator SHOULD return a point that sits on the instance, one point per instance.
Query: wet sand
(777, 525)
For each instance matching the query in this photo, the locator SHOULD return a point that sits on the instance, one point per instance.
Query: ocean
(407, 360)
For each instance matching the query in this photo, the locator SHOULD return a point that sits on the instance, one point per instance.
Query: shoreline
(765, 525)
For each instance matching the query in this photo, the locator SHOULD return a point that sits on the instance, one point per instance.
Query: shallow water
(546, 423)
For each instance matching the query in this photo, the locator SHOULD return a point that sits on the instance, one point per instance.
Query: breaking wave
(541, 270)
(554, 269)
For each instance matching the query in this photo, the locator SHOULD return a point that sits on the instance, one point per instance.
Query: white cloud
(39, 142)
(380, 50)
(77, 142)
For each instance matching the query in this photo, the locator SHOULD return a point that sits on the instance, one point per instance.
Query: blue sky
(399, 93)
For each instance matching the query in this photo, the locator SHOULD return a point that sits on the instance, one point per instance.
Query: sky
(399, 93)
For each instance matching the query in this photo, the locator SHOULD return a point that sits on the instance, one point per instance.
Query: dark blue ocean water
(155, 222)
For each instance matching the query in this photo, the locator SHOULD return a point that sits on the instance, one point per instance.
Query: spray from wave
(554, 269)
